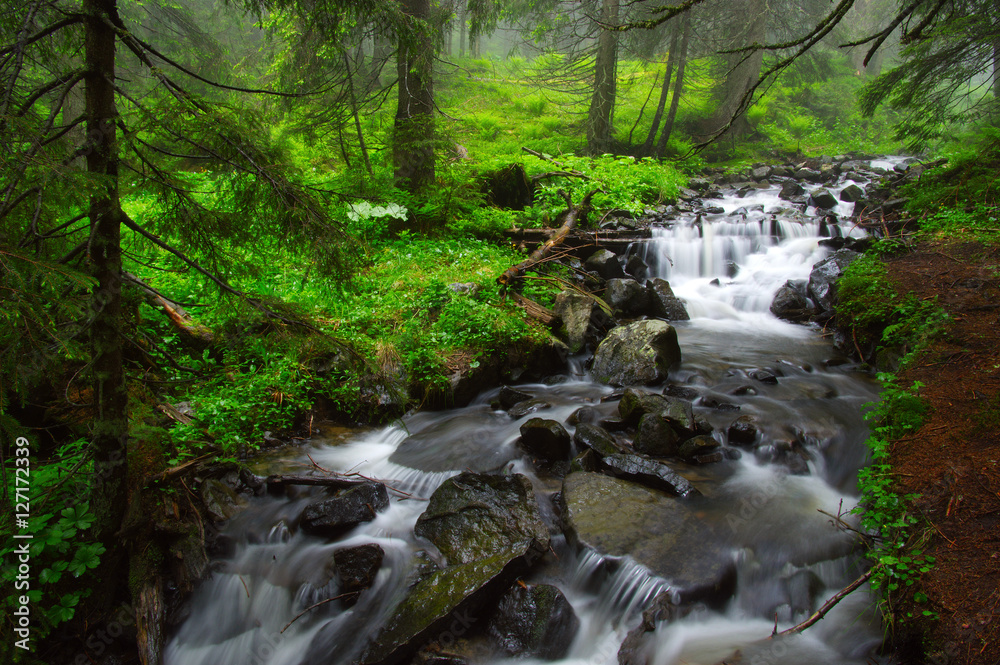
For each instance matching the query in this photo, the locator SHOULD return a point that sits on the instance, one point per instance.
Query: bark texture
(414, 125)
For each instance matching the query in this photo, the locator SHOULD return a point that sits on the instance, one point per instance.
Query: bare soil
(953, 461)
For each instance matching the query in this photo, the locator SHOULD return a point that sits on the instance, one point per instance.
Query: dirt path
(953, 461)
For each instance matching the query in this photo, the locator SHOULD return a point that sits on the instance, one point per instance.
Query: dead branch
(568, 171)
(828, 605)
(573, 214)
(335, 481)
(541, 314)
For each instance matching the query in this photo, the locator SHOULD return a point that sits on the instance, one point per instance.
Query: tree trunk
(647, 147)
(414, 127)
(600, 118)
(668, 126)
(742, 69)
(996, 68)
(108, 494)
(462, 26)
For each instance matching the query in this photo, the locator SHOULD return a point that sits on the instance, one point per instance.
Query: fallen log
(195, 334)
(543, 315)
(573, 214)
(335, 481)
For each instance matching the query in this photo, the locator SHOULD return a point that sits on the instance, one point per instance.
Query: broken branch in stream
(322, 602)
(828, 605)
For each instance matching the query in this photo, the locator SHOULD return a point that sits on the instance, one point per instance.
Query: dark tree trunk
(110, 401)
(647, 147)
(414, 126)
(742, 69)
(600, 118)
(668, 126)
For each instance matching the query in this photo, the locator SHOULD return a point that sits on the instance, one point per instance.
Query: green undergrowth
(900, 327)
(57, 570)
(960, 199)
(393, 329)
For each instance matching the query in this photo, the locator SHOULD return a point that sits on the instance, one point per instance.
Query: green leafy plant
(897, 560)
(61, 554)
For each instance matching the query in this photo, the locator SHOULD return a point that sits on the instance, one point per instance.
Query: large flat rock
(617, 517)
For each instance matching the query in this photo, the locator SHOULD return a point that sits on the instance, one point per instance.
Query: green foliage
(61, 553)
(897, 560)
(960, 198)
(624, 184)
(869, 304)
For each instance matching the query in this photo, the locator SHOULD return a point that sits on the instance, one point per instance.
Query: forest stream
(747, 554)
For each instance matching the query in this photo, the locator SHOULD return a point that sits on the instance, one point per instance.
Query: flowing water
(789, 558)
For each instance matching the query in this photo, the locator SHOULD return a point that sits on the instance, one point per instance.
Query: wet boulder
(529, 406)
(533, 621)
(575, 309)
(330, 518)
(656, 436)
(675, 411)
(743, 431)
(791, 189)
(638, 353)
(851, 193)
(625, 296)
(701, 449)
(510, 397)
(357, 567)
(605, 263)
(764, 376)
(650, 473)
(791, 303)
(489, 531)
(221, 501)
(663, 303)
(545, 439)
(823, 198)
(824, 276)
(473, 516)
(636, 267)
(617, 517)
(596, 438)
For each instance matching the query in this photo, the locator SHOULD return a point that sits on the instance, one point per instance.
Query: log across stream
(752, 552)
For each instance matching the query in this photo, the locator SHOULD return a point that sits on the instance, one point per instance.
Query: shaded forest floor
(953, 460)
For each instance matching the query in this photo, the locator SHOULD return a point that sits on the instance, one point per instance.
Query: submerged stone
(617, 517)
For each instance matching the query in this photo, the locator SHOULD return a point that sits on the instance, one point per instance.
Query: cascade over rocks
(639, 353)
